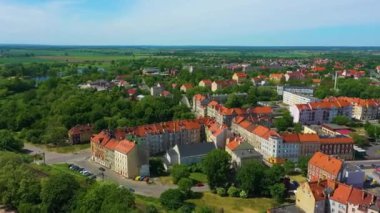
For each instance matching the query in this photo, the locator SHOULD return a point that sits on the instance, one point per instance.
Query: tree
(8, 142)
(277, 192)
(185, 184)
(203, 209)
(233, 191)
(58, 192)
(298, 128)
(106, 196)
(341, 120)
(221, 191)
(172, 199)
(156, 167)
(289, 167)
(233, 101)
(303, 164)
(216, 166)
(250, 178)
(179, 171)
(284, 122)
(359, 140)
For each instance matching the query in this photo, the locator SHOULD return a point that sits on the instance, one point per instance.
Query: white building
(291, 98)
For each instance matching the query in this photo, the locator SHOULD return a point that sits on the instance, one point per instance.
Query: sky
(191, 22)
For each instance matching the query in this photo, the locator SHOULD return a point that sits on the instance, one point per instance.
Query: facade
(320, 112)
(290, 98)
(335, 130)
(310, 196)
(80, 134)
(364, 109)
(294, 76)
(241, 152)
(186, 87)
(324, 167)
(222, 84)
(126, 159)
(276, 77)
(156, 90)
(216, 133)
(299, 90)
(187, 153)
(205, 83)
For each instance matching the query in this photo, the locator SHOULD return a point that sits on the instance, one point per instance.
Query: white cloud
(177, 21)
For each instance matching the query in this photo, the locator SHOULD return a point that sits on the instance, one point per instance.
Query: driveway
(82, 159)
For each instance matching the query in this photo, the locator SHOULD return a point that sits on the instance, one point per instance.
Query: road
(82, 159)
(366, 163)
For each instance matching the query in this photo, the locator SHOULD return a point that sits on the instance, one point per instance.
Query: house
(318, 69)
(353, 175)
(205, 83)
(216, 133)
(351, 74)
(260, 80)
(98, 85)
(335, 197)
(80, 134)
(186, 87)
(132, 92)
(156, 90)
(239, 77)
(316, 81)
(291, 98)
(294, 76)
(241, 152)
(126, 159)
(311, 196)
(320, 112)
(222, 114)
(165, 93)
(322, 166)
(187, 153)
(222, 84)
(276, 77)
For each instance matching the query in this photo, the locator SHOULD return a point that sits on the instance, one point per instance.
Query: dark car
(92, 177)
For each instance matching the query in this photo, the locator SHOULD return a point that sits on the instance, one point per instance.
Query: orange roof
(341, 193)
(187, 86)
(317, 188)
(276, 75)
(316, 80)
(199, 97)
(207, 81)
(125, 146)
(362, 102)
(360, 197)
(309, 137)
(327, 163)
(262, 110)
(264, 132)
(337, 140)
(78, 129)
(290, 138)
(241, 74)
(324, 104)
(111, 144)
(235, 143)
(299, 138)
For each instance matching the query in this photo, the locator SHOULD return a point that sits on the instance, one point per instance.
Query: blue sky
(191, 22)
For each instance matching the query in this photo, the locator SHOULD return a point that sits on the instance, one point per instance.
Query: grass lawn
(142, 202)
(231, 204)
(199, 177)
(166, 180)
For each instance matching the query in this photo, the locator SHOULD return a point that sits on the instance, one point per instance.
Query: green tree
(216, 166)
(179, 171)
(250, 178)
(185, 184)
(233, 191)
(303, 164)
(359, 140)
(289, 167)
(233, 101)
(341, 120)
(277, 192)
(298, 128)
(156, 167)
(8, 142)
(284, 122)
(58, 192)
(172, 199)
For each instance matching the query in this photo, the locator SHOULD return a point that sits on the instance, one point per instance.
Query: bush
(186, 209)
(243, 194)
(203, 209)
(151, 209)
(185, 185)
(221, 191)
(172, 198)
(178, 172)
(233, 191)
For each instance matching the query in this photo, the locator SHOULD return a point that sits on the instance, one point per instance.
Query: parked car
(141, 178)
(92, 177)
(137, 178)
(199, 184)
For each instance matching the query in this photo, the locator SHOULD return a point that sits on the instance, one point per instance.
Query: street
(82, 159)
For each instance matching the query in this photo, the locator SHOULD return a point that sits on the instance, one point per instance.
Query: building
(351, 74)
(322, 166)
(98, 85)
(222, 84)
(334, 197)
(353, 175)
(241, 152)
(151, 71)
(156, 90)
(276, 77)
(186, 87)
(187, 153)
(294, 76)
(269, 143)
(320, 112)
(216, 133)
(126, 159)
(311, 197)
(80, 134)
(260, 80)
(290, 98)
(335, 129)
(239, 77)
(363, 109)
(298, 90)
(205, 83)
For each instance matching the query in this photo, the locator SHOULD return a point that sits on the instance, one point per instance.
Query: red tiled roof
(276, 75)
(187, 86)
(207, 82)
(241, 74)
(317, 188)
(341, 193)
(234, 143)
(111, 144)
(125, 146)
(327, 163)
(78, 129)
(264, 132)
(262, 110)
(347, 140)
(360, 197)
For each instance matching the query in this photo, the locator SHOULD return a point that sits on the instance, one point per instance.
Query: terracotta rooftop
(327, 163)
(125, 146)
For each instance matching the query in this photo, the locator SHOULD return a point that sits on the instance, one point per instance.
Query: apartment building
(298, 90)
(322, 167)
(364, 109)
(320, 112)
(291, 98)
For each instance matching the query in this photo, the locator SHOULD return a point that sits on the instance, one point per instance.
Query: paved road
(82, 159)
(365, 163)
